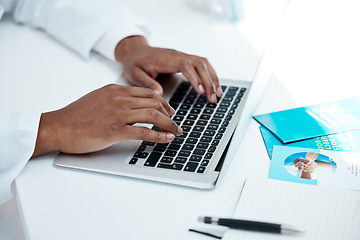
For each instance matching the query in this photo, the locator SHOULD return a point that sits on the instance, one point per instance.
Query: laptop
(197, 158)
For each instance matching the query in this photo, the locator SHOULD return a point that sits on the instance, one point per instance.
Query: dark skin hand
(142, 63)
(106, 116)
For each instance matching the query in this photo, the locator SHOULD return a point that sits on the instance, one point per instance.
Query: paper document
(325, 213)
(344, 142)
(316, 167)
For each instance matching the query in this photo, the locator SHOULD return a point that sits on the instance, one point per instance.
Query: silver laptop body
(119, 159)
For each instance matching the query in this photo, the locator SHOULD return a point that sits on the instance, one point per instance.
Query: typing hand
(105, 117)
(143, 63)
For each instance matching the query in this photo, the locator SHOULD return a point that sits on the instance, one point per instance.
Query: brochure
(316, 167)
(313, 121)
(345, 141)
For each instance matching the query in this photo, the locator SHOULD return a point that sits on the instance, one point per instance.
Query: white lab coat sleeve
(79, 24)
(18, 133)
(107, 43)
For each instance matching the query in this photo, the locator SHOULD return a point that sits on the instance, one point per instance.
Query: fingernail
(179, 130)
(201, 88)
(213, 97)
(219, 91)
(172, 110)
(170, 136)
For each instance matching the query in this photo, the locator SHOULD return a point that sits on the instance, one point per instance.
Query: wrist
(46, 140)
(128, 46)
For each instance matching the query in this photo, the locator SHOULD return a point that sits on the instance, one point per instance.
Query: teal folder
(313, 121)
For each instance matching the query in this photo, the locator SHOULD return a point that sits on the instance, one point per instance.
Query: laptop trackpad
(109, 160)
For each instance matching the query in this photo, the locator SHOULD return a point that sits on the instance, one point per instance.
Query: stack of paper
(325, 213)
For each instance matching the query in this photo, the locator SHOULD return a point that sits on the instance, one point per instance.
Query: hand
(300, 163)
(105, 117)
(305, 165)
(143, 63)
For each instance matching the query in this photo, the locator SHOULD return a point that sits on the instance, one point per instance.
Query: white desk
(58, 203)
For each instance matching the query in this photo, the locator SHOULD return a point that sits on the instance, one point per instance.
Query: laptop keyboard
(203, 125)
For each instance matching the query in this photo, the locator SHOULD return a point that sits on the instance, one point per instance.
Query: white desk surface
(317, 62)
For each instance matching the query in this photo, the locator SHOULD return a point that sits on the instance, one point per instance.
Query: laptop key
(195, 158)
(211, 105)
(219, 115)
(186, 128)
(212, 148)
(201, 169)
(198, 128)
(222, 109)
(170, 153)
(159, 148)
(208, 156)
(191, 167)
(212, 127)
(181, 113)
(185, 107)
(205, 162)
(178, 118)
(181, 160)
(174, 146)
(202, 122)
(148, 143)
(218, 136)
(208, 111)
(133, 161)
(195, 111)
(215, 121)
(153, 159)
(222, 130)
(227, 99)
(183, 153)
(191, 117)
(225, 124)
(188, 147)
(189, 122)
(198, 151)
(174, 166)
(205, 117)
(231, 112)
(166, 160)
(195, 134)
(205, 139)
(178, 140)
(191, 140)
(141, 148)
(209, 133)
(202, 145)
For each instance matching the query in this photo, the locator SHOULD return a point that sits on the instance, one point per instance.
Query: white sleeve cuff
(18, 133)
(107, 43)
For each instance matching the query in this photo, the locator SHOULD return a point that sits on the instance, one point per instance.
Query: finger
(206, 81)
(188, 70)
(141, 92)
(215, 80)
(153, 116)
(139, 103)
(140, 78)
(146, 134)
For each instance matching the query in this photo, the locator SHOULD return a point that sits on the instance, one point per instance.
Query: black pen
(253, 225)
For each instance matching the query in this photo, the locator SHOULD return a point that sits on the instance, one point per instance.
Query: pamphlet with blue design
(344, 141)
(316, 167)
(313, 121)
